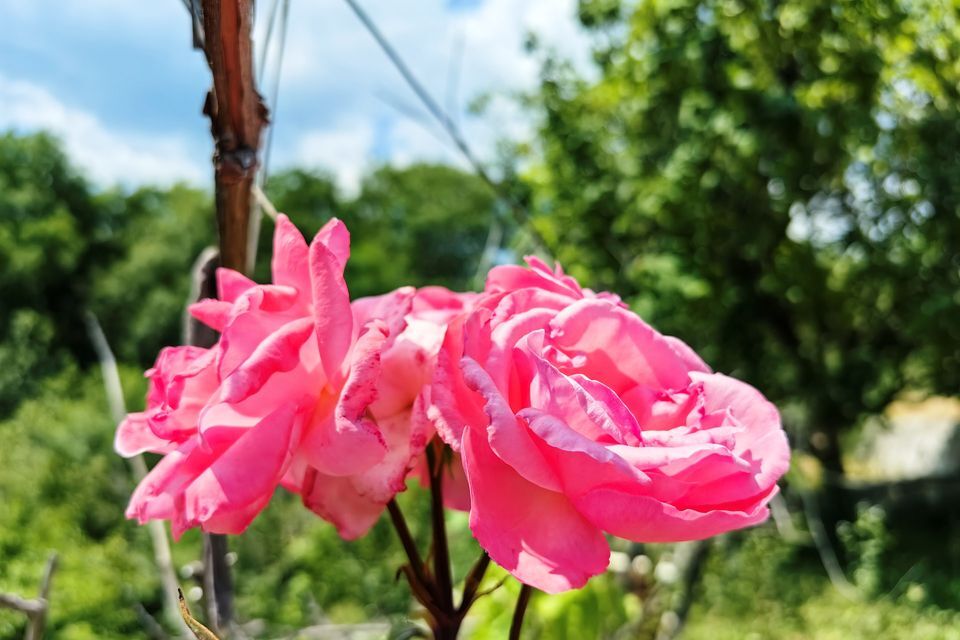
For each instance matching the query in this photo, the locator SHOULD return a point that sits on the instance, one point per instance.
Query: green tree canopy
(418, 225)
(777, 183)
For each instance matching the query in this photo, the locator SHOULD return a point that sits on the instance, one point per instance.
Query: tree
(53, 233)
(423, 224)
(140, 295)
(776, 183)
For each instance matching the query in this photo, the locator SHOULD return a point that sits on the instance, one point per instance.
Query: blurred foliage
(53, 233)
(759, 586)
(139, 297)
(424, 224)
(866, 540)
(596, 611)
(62, 488)
(776, 183)
(65, 249)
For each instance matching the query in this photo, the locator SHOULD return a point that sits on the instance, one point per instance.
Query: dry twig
(34, 608)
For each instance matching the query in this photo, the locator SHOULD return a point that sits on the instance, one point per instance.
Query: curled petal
(407, 365)
(645, 519)
(342, 440)
(241, 480)
(280, 352)
(289, 261)
(213, 313)
(134, 437)
(763, 441)
(452, 405)
(539, 276)
(621, 350)
(333, 318)
(159, 496)
(507, 436)
(231, 284)
(335, 237)
(600, 416)
(255, 315)
(336, 500)
(533, 533)
(387, 477)
(579, 462)
(391, 308)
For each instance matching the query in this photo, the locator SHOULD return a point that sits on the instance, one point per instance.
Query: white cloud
(334, 65)
(117, 81)
(107, 156)
(344, 147)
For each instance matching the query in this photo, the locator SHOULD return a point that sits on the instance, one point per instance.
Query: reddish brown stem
(434, 590)
(409, 546)
(237, 118)
(441, 551)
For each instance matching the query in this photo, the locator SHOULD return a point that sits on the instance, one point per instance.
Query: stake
(237, 118)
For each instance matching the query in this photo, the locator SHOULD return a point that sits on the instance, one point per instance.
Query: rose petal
(335, 237)
(242, 479)
(336, 500)
(579, 462)
(342, 440)
(213, 313)
(763, 440)
(620, 349)
(533, 533)
(279, 352)
(509, 438)
(333, 318)
(452, 405)
(645, 519)
(392, 308)
(231, 284)
(256, 314)
(134, 437)
(289, 263)
(566, 398)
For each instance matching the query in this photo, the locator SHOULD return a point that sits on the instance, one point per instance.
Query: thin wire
(275, 97)
(416, 116)
(520, 214)
(266, 41)
(453, 77)
(263, 171)
(196, 28)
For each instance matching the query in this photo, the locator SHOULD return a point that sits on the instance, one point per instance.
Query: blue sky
(121, 85)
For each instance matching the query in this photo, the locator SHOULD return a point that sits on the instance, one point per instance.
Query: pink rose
(300, 386)
(416, 321)
(574, 418)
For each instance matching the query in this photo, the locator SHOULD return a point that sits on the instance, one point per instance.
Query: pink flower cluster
(572, 417)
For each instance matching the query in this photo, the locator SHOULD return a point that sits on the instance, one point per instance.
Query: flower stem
(409, 546)
(441, 552)
(434, 590)
(522, 601)
(472, 582)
